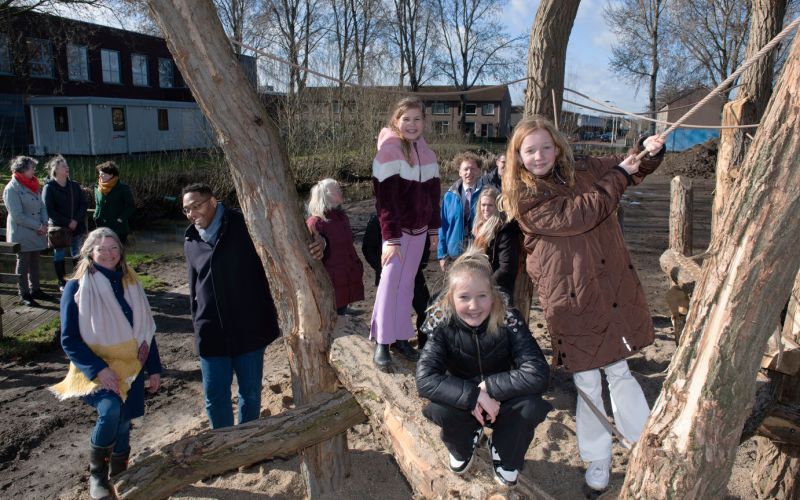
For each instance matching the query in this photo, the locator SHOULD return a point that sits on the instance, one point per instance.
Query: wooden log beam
(680, 215)
(213, 452)
(390, 401)
(782, 424)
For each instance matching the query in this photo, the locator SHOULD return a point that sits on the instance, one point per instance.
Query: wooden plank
(9, 278)
(6, 247)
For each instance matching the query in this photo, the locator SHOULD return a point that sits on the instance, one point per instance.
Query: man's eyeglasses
(195, 206)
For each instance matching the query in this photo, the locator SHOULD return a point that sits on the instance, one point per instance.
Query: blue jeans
(217, 378)
(77, 241)
(112, 426)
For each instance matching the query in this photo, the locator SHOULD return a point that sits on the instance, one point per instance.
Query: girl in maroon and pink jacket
(405, 177)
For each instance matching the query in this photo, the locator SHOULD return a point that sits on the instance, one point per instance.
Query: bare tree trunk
(766, 21)
(688, 447)
(680, 215)
(547, 54)
(259, 168)
(214, 452)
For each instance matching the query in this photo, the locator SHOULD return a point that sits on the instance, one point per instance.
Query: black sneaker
(26, 300)
(382, 357)
(461, 466)
(40, 295)
(504, 477)
(405, 349)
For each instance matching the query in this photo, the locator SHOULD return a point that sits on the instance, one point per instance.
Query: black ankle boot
(404, 348)
(60, 273)
(99, 486)
(382, 357)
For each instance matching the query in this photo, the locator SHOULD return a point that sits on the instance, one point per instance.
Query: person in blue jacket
(108, 334)
(458, 209)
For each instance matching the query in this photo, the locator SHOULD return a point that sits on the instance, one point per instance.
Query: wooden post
(214, 452)
(688, 446)
(681, 215)
(259, 168)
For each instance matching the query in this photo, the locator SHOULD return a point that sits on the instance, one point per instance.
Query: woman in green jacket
(114, 203)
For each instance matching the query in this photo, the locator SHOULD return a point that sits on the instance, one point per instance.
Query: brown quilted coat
(592, 299)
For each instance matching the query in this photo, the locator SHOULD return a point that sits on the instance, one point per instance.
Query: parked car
(606, 136)
(588, 135)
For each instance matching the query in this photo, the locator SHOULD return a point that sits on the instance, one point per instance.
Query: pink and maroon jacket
(406, 195)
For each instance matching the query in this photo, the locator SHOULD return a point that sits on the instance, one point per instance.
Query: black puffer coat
(458, 357)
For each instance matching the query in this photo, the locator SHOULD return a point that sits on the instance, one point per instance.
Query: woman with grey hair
(66, 208)
(27, 225)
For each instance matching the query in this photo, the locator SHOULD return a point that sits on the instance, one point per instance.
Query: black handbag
(58, 236)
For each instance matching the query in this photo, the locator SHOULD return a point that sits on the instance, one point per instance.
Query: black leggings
(512, 429)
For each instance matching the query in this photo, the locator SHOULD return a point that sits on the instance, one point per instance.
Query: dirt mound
(698, 162)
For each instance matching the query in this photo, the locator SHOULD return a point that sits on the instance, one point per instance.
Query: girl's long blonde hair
(129, 277)
(517, 180)
(401, 107)
(472, 264)
(485, 230)
(319, 203)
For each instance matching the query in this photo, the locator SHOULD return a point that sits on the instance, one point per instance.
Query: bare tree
(711, 36)
(239, 18)
(295, 27)
(367, 27)
(413, 30)
(475, 43)
(547, 53)
(636, 56)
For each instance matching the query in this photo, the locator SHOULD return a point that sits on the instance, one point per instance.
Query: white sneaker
(598, 473)
(461, 466)
(503, 476)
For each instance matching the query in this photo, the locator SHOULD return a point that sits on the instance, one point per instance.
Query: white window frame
(110, 64)
(475, 109)
(444, 108)
(163, 65)
(6, 67)
(139, 70)
(77, 62)
(443, 127)
(489, 129)
(336, 107)
(45, 62)
(486, 106)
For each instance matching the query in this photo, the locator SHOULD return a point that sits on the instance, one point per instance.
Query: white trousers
(627, 401)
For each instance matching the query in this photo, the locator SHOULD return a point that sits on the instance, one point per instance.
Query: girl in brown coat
(592, 299)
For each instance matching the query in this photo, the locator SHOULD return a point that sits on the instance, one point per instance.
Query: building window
(487, 109)
(441, 108)
(441, 127)
(166, 74)
(61, 118)
(118, 119)
(77, 63)
(163, 119)
(471, 109)
(40, 58)
(336, 107)
(109, 59)
(469, 128)
(487, 130)
(139, 68)
(5, 55)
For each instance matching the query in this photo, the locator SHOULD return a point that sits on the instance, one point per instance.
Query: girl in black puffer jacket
(481, 367)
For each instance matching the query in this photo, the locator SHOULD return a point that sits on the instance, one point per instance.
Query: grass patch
(152, 284)
(26, 345)
(138, 259)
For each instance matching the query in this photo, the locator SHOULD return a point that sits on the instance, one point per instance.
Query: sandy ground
(43, 443)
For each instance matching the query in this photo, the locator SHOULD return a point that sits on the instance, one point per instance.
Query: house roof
(426, 93)
(686, 93)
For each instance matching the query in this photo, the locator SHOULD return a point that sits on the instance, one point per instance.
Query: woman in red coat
(330, 221)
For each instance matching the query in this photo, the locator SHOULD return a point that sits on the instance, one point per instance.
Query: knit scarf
(107, 332)
(31, 183)
(106, 187)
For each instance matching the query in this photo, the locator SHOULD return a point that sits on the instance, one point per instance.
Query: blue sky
(588, 53)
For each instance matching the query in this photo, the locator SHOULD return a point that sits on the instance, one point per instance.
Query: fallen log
(683, 271)
(213, 452)
(391, 403)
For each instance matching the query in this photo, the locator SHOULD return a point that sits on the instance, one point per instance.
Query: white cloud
(518, 15)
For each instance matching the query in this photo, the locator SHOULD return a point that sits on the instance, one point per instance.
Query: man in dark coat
(232, 308)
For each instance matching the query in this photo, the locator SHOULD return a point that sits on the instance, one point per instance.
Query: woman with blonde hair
(108, 334)
(328, 219)
(498, 239)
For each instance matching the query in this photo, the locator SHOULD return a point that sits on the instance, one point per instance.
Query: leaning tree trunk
(688, 447)
(766, 21)
(259, 167)
(547, 54)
